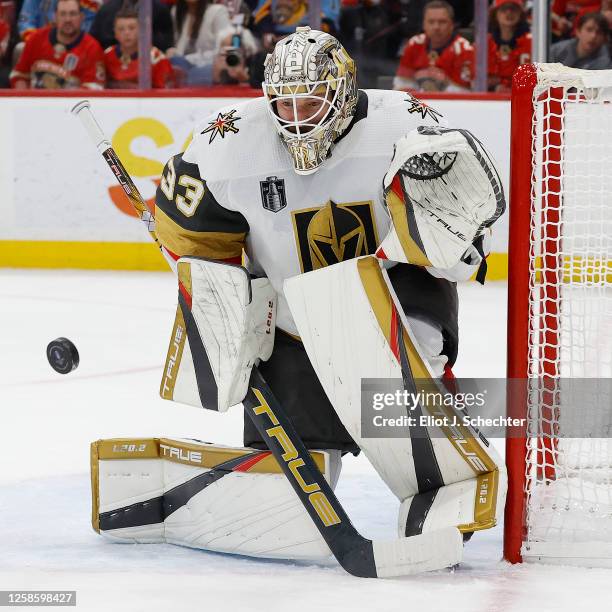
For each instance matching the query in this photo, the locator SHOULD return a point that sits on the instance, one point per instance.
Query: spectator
(565, 15)
(235, 49)
(509, 42)
(7, 18)
(197, 25)
(589, 49)
(256, 62)
(5, 35)
(464, 12)
(5, 39)
(372, 32)
(236, 8)
(61, 56)
(103, 27)
(36, 14)
(121, 60)
(606, 11)
(283, 16)
(438, 59)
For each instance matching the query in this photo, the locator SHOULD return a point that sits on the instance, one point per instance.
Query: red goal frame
(524, 272)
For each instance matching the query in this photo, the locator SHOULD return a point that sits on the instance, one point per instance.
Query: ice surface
(120, 323)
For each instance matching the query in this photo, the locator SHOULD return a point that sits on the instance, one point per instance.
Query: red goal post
(559, 504)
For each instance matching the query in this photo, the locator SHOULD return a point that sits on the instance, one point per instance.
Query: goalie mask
(311, 91)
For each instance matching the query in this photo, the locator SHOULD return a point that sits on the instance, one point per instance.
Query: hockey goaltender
(353, 213)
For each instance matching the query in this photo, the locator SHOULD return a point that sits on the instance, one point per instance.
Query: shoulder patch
(223, 124)
(424, 110)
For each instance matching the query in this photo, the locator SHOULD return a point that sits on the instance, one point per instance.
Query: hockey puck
(62, 355)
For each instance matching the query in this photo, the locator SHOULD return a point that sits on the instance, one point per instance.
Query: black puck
(62, 355)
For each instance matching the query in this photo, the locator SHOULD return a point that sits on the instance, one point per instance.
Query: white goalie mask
(310, 86)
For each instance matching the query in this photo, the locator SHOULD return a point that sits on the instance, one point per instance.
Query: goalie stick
(82, 110)
(356, 554)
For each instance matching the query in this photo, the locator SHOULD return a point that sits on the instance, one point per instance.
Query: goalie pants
(293, 381)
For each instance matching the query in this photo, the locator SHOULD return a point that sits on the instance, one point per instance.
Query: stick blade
(421, 553)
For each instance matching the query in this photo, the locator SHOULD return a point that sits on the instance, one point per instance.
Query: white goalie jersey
(235, 188)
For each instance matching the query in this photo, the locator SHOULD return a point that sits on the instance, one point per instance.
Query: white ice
(121, 323)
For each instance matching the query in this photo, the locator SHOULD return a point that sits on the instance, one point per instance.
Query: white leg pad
(471, 505)
(203, 496)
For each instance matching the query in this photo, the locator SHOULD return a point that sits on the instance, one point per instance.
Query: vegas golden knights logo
(335, 232)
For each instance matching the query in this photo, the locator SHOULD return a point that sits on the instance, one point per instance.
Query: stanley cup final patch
(273, 195)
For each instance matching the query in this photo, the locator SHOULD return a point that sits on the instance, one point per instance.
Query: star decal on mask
(223, 124)
(418, 106)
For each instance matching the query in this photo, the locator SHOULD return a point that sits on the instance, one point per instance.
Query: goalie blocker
(225, 321)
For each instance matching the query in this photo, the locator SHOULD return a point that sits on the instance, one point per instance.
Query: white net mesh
(569, 478)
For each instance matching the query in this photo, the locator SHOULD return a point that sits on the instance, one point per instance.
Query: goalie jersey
(235, 189)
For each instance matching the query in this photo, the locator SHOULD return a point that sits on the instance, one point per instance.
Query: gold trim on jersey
(328, 234)
(214, 245)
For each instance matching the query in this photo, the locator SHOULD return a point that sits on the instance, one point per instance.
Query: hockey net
(559, 506)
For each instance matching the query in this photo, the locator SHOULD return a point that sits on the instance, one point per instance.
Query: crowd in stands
(424, 45)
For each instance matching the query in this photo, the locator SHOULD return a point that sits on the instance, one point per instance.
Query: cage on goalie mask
(310, 70)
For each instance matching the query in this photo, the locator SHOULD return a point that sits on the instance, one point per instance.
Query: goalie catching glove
(442, 191)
